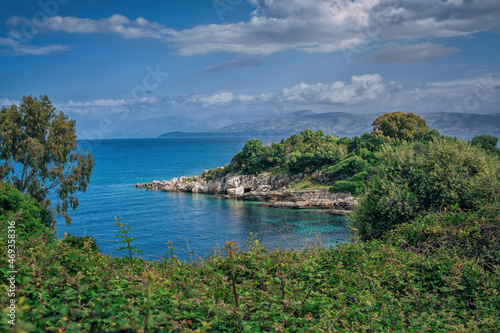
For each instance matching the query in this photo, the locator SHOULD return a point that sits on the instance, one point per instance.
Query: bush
(348, 167)
(315, 157)
(24, 211)
(258, 290)
(360, 177)
(299, 162)
(408, 184)
(468, 236)
(78, 242)
(218, 173)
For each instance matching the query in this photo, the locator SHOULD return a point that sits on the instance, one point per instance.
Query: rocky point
(271, 190)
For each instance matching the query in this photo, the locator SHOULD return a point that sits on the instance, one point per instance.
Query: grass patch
(306, 183)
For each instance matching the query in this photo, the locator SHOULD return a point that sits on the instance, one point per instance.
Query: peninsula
(271, 190)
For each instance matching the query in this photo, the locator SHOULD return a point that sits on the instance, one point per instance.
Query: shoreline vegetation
(425, 256)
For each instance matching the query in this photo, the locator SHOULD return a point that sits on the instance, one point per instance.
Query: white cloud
(311, 26)
(406, 54)
(225, 98)
(333, 25)
(112, 103)
(219, 98)
(359, 89)
(116, 24)
(99, 102)
(18, 48)
(7, 102)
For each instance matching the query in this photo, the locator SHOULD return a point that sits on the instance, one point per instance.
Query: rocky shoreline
(269, 189)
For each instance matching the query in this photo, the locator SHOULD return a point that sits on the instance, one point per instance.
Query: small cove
(193, 222)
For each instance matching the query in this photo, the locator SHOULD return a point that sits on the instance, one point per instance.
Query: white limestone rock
(238, 191)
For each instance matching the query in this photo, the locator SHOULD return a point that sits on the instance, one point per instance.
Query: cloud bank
(310, 26)
(367, 93)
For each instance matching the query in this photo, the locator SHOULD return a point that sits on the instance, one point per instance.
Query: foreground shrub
(23, 210)
(371, 286)
(469, 236)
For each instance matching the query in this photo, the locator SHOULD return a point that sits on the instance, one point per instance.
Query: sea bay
(195, 223)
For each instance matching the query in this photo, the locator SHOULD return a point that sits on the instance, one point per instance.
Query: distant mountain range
(346, 124)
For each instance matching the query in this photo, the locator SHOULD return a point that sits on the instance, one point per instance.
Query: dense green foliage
(38, 153)
(487, 142)
(348, 186)
(339, 158)
(348, 163)
(412, 180)
(218, 173)
(417, 280)
(400, 125)
(473, 235)
(255, 158)
(29, 217)
(429, 259)
(80, 242)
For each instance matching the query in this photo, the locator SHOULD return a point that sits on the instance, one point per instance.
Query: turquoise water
(194, 222)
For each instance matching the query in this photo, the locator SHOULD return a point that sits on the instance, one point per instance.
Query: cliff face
(270, 189)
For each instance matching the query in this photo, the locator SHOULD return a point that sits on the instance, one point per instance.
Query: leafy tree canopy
(38, 153)
(400, 125)
(487, 142)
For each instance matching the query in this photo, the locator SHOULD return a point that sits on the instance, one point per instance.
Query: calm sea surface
(193, 222)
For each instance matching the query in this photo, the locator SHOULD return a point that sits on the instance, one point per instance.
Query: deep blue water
(202, 221)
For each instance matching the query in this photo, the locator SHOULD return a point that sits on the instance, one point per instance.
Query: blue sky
(142, 68)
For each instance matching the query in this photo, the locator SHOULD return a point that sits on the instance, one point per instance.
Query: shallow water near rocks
(195, 223)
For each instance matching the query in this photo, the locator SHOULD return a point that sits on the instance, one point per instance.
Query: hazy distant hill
(346, 124)
(337, 123)
(154, 127)
(452, 122)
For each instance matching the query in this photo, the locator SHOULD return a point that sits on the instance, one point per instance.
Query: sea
(195, 224)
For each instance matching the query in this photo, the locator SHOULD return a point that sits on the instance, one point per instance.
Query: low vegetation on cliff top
(425, 256)
(346, 163)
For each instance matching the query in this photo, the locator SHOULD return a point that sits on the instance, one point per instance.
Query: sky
(141, 68)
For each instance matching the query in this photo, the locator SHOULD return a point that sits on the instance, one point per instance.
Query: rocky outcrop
(200, 184)
(269, 189)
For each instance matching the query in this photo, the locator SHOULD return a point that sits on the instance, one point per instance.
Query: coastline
(271, 190)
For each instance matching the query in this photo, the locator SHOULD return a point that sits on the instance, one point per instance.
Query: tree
(487, 142)
(38, 152)
(249, 158)
(400, 125)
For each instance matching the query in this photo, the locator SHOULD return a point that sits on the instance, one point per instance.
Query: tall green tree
(400, 125)
(39, 153)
